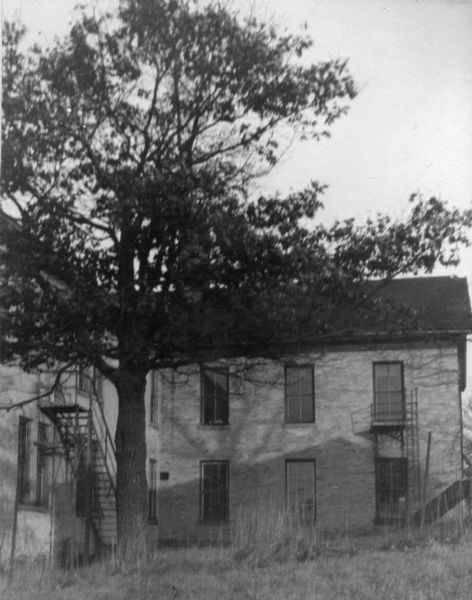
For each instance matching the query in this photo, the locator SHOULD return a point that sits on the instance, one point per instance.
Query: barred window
(214, 491)
(391, 487)
(299, 394)
(214, 396)
(301, 488)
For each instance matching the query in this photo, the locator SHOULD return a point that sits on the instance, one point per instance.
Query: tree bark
(131, 488)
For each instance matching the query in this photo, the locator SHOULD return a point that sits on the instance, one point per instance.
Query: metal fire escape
(87, 445)
(399, 423)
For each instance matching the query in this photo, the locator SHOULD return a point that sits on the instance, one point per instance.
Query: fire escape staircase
(401, 424)
(443, 502)
(87, 445)
(403, 427)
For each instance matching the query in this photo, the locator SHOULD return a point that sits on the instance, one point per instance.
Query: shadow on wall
(6, 521)
(344, 492)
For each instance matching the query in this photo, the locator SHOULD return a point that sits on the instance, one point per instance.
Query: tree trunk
(131, 488)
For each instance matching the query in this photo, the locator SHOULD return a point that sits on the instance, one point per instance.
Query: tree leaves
(129, 149)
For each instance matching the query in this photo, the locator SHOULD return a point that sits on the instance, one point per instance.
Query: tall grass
(271, 555)
(272, 535)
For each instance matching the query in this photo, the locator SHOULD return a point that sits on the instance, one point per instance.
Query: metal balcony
(384, 418)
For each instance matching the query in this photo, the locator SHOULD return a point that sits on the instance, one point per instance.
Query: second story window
(98, 384)
(299, 394)
(153, 400)
(214, 396)
(388, 392)
(85, 380)
(90, 382)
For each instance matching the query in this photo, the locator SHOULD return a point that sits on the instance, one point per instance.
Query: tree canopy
(129, 151)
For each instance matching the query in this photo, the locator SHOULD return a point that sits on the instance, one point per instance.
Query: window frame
(380, 517)
(89, 382)
(312, 461)
(221, 371)
(97, 384)
(375, 416)
(154, 398)
(152, 491)
(42, 465)
(203, 519)
(310, 366)
(83, 381)
(24, 483)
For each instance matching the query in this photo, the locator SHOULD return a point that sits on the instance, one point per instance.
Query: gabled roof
(442, 304)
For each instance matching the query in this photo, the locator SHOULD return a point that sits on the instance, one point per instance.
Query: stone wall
(36, 528)
(33, 525)
(257, 441)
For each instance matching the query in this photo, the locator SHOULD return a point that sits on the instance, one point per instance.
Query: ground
(392, 568)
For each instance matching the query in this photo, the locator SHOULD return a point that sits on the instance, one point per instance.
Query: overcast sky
(410, 128)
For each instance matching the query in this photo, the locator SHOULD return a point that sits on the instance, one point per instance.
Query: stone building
(336, 434)
(58, 466)
(360, 431)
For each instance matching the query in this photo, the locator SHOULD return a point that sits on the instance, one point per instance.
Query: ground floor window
(42, 466)
(390, 487)
(152, 490)
(301, 488)
(214, 491)
(24, 460)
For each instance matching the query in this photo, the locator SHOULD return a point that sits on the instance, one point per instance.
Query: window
(81, 484)
(42, 466)
(84, 380)
(214, 491)
(300, 477)
(98, 384)
(24, 452)
(153, 405)
(388, 392)
(299, 394)
(215, 398)
(152, 490)
(90, 382)
(390, 487)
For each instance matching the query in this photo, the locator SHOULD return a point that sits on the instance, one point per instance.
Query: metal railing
(384, 413)
(104, 438)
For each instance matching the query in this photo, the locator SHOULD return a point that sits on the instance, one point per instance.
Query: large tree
(129, 149)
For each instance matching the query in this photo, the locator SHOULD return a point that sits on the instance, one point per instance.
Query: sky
(409, 129)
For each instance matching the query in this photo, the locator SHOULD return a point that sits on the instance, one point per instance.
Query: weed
(274, 557)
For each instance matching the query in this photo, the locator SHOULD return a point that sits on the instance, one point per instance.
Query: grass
(435, 564)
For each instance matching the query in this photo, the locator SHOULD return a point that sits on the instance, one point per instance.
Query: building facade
(58, 466)
(345, 437)
(360, 431)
